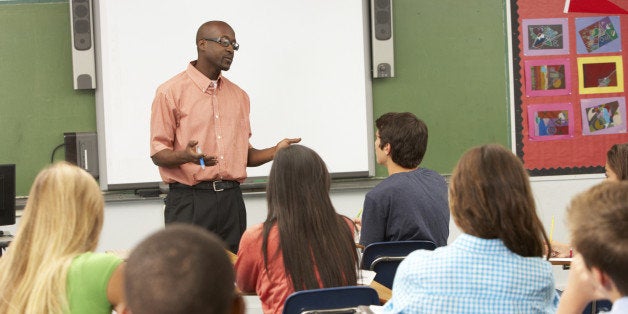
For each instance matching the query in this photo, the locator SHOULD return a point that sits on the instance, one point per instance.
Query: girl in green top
(49, 268)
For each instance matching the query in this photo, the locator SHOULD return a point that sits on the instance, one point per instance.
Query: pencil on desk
(551, 235)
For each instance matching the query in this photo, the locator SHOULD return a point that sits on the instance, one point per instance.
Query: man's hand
(196, 156)
(287, 142)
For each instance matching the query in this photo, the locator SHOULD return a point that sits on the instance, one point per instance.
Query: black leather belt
(216, 186)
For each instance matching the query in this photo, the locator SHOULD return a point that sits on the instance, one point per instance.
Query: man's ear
(386, 149)
(238, 306)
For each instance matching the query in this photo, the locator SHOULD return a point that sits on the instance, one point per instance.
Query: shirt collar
(620, 305)
(200, 80)
(468, 242)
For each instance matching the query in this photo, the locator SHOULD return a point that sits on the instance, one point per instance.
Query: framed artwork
(598, 75)
(566, 129)
(545, 37)
(603, 115)
(547, 77)
(598, 34)
(550, 122)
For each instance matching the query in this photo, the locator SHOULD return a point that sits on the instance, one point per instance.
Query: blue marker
(201, 160)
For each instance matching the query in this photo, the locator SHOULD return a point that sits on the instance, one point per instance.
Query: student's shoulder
(90, 263)
(429, 174)
(253, 232)
(97, 258)
(389, 184)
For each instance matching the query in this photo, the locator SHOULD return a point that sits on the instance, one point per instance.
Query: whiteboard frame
(366, 169)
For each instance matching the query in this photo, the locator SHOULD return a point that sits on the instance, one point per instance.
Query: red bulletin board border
(580, 154)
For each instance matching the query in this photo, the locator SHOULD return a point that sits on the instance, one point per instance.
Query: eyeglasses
(224, 42)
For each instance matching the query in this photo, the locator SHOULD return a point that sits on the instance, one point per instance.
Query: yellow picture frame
(595, 75)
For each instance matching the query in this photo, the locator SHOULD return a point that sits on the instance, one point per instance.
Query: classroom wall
(37, 101)
(450, 58)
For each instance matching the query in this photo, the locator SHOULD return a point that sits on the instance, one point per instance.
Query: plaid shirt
(472, 275)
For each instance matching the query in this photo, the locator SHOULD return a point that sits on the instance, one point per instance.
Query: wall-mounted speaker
(382, 44)
(83, 57)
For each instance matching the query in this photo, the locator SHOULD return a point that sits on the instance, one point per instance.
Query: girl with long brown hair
(496, 265)
(303, 244)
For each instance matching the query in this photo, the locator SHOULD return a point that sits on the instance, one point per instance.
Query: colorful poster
(548, 77)
(593, 125)
(603, 116)
(545, 37)
(598, 35)
(550, 122)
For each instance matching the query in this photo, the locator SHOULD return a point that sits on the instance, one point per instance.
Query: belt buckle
(215, 188)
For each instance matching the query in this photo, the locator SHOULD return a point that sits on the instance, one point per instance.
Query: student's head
(64, 210)
(62, 219)
(598, 221)
(490, 198)
(402, 137)
(299, 205)
(181, 269)
(210, 40)
(298, 178)
(617, 162)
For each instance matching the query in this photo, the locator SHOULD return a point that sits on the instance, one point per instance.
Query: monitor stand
(5, 240)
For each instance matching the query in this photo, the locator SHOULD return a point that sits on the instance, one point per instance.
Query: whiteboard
(304, 64)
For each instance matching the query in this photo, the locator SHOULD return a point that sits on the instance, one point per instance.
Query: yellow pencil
(551, 236)
(359, 214)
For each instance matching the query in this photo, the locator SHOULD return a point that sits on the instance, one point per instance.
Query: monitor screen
(7, 195)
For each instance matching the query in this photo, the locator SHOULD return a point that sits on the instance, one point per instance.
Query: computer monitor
(7, 195)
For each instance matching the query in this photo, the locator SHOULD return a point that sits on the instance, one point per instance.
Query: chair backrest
(384, 257)
(330, 298)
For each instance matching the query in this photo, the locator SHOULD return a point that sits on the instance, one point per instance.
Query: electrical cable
(52, 156)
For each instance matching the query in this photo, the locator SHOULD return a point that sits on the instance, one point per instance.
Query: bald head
(213, 29)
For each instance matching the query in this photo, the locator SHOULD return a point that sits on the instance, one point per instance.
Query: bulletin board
(569, 90)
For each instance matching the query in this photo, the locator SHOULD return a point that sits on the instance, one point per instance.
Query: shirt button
(222, 157)
(219, 137)
(216, 116)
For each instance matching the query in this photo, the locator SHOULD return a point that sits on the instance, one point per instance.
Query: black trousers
(221, 212)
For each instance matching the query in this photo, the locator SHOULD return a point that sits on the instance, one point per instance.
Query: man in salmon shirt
(201, 115)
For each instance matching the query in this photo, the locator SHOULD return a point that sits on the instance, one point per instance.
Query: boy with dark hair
(598, 220)
(181, 269)
(411, 204)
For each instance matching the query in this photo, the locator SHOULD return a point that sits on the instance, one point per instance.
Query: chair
(343, 298)
(598, 306)
(384, 257)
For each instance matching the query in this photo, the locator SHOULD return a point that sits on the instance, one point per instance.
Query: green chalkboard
(451, 71)
(37, 101)
(450, 66)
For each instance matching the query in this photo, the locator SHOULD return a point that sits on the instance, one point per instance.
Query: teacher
(199, 138)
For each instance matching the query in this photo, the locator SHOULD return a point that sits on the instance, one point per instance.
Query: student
(182, 269)
(201, 115)
(411, 204)
(598, 221)
(496, 264)
(50, 266)
(617, 162)
(303, 244)
(616, 169)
